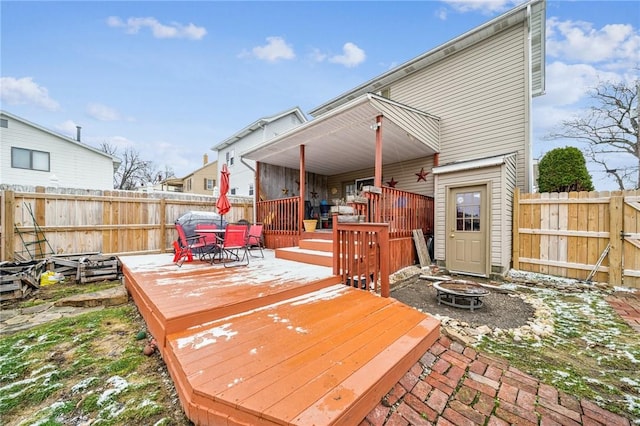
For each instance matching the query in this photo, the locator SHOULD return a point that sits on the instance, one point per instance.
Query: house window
(209, 184)
(230, 155)
(188, 184)
(29, 159)
(4, 123)
(250, 189)
(386, 93)
(233, 191)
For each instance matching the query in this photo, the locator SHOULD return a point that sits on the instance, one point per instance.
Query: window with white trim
(29, 159)
(209, 184)
(229, 157)
(250, 189)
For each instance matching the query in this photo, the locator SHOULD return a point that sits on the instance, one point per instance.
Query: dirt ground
(499, 310)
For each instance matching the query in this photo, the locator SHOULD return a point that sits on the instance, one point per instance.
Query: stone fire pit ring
(463, 294)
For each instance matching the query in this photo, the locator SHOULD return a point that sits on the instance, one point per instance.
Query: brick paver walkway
(454, 385)
(627, 305)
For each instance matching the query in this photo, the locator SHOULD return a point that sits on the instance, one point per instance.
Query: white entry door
(467, 230)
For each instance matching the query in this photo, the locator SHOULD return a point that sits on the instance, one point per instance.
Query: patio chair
(188, 244)
(207, 232)
(233, 244)
(254, 239)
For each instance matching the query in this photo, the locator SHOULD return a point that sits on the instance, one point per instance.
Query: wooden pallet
(86, 267)
(19, 279)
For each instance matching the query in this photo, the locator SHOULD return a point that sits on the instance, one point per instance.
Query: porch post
(377, 180)
(303, 191)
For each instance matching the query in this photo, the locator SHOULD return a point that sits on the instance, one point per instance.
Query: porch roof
(344, 139)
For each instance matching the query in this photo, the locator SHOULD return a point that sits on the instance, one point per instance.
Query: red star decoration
(392, 183)
(422, 175)
(314, 194)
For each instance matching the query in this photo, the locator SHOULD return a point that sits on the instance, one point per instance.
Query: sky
(171, 79)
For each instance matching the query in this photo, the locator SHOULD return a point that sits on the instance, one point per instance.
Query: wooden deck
(274, 343)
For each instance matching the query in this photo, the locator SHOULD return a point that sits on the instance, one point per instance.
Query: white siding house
(31, 155)
(242, 171)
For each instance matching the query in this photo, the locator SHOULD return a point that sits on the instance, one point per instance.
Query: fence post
(616, 209)
(515, 240)
(8, 211)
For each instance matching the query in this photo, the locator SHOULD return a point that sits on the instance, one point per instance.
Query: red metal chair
(212, 245)
(187, 244)
(254, 239)
(234, 242)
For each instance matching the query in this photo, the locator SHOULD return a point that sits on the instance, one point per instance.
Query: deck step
(317, 244)
(298, 254)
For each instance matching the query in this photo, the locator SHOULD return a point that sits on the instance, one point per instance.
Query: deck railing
(279, 216)
(361, 255)
(402, 210)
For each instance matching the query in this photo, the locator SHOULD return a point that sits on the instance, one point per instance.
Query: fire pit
(460, 293)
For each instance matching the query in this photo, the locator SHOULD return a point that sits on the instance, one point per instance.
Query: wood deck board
(301, 348)
(254, 334)
(274, 343)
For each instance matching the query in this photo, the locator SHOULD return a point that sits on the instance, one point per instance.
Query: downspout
(529, 159)
(256, 191)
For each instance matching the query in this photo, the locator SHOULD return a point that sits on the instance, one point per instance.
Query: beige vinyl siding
(493, 178)
(404, 173)
(509, 185)
(480, 94)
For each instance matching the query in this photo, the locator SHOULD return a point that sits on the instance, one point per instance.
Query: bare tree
(610, 130)
(133, 171)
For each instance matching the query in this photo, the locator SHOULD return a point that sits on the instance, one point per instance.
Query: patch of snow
(83, 384)
(207, 337)
(235, 382)
(118, 385)
(625, 289)
(253, 351)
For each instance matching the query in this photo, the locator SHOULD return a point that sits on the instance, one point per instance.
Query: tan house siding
(197, 179)
(481, 96)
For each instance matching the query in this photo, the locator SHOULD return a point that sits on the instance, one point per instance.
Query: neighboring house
(453, 123)
(243, 171)
(34, 156)
(203, 180)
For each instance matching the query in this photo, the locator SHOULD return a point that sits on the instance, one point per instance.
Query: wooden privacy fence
(65, 221)
(582, 235)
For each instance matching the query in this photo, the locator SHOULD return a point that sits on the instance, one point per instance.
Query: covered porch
(371, 154)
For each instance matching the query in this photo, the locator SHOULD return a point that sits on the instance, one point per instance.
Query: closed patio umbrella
(223, 204)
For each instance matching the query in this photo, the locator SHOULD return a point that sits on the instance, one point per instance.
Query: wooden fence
(110, 222)
(591, 236)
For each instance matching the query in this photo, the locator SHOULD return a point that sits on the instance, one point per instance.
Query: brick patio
(454, 385)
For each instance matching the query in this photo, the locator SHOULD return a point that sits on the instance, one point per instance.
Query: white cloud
(441, 13)
(579, 41)
(159, 30)
(68, 128)
(275, 49)
(103, 112)
(25, 91)
(352, 56)
(317, 56)
(486, 7)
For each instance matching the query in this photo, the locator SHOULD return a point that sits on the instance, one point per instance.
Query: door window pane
(468, 211)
